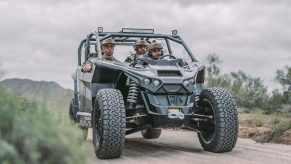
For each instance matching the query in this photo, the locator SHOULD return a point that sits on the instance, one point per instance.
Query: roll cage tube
(87, 50)
(79, 51)
(106, 35)
(175, 38)
(98, 45)
(169, 47)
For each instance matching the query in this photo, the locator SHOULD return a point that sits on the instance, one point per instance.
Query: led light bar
(138, 30)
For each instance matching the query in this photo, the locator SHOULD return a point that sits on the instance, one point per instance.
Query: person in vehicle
(155, 50)
(140, 48)
(107, 49)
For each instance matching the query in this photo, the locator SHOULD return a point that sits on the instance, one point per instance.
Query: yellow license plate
(172, 110)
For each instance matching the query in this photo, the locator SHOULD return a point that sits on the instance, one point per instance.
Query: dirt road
(181, 147)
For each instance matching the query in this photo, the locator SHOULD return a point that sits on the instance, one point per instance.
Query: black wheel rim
(97, 128)
(207, 133)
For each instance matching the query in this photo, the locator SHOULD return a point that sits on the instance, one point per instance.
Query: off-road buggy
(118, 98)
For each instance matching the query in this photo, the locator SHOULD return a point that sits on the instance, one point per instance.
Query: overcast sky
(39, 38)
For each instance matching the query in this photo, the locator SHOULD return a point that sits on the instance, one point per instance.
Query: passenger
(107, 49)
(140, 48)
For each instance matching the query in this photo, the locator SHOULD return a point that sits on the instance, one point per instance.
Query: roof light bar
(138, 30)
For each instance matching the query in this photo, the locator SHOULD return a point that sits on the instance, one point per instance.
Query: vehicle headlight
(147, 81)
(157, 83)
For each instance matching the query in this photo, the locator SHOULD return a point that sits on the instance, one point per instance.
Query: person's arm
(87, 66)
(183, 64)
(128, 59)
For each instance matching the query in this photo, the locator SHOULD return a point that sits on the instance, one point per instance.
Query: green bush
(32, 135)
(250, 92)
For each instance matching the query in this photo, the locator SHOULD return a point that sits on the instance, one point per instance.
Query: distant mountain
(48, 94)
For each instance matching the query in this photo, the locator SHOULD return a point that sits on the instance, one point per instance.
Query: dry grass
(266, 128)
(262, 120)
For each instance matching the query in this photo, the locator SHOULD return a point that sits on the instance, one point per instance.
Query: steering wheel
(170, 56)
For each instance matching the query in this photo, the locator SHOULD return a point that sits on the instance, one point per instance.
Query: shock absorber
(195, 100)
(132, 94)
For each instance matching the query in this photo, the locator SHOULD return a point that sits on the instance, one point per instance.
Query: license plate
(173, 110)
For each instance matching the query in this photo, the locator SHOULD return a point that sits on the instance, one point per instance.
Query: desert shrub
(249, 92)
(254, 122)
(275, 121)
(32, 135)
(277, 132)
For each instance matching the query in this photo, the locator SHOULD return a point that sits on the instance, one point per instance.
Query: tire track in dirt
(183, 147)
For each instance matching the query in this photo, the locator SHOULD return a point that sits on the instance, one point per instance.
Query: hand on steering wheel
(170, 56)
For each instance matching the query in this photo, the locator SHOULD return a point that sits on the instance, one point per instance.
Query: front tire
(220, 135)
(108, 124)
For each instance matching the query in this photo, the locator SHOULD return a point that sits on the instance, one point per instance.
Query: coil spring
(132, 92)
(196, 98)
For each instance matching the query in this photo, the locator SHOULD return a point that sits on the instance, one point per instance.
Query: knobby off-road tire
(221, 135)
(109, 123)
(74, 118)
(72, 112)
(151, 133)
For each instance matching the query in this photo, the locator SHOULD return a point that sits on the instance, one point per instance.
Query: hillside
(48, 94)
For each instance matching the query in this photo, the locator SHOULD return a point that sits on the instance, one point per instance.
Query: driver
(107, 49)
(155, 50)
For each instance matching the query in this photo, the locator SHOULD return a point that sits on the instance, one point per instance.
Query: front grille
(169, 73)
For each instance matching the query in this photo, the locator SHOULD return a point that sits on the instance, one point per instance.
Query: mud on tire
(151, 133)
(220, 104)
(108, 124)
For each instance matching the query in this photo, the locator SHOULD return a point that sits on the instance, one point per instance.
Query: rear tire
(220, 135)
(74, 118)
(73, 112)
(151, 133)
(108, 124)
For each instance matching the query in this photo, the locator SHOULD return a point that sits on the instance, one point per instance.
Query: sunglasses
(156, 50)
(142, 46)
(109, 45)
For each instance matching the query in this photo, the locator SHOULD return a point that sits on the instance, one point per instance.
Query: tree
(248, 91)
(213, 60)
(284, 78)
(212, 70)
